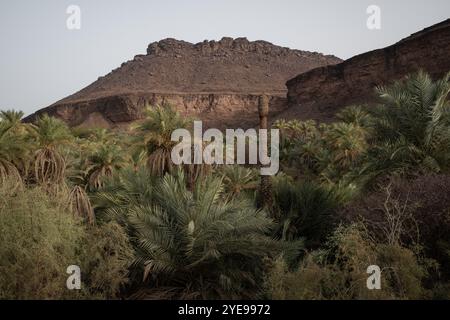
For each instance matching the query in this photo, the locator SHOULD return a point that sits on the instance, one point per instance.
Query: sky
(43, 61)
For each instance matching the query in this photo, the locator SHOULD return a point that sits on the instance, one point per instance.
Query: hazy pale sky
(41, 61)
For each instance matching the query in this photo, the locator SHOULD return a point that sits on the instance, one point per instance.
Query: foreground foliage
(40, 238)
(370, 188)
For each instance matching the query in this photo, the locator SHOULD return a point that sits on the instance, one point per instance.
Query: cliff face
(321, 92)
(215, 110)
(215, 81)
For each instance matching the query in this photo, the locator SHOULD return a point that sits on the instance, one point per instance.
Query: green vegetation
(368, 189)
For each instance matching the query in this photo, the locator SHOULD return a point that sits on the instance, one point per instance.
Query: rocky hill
(320, 93)
(216, 81)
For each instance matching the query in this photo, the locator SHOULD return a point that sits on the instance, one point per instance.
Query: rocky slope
(320, 93)
(216, 81)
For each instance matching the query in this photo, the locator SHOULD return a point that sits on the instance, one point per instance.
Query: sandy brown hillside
(217, 81)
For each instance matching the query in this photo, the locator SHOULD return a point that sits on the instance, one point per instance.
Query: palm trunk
(266, 200)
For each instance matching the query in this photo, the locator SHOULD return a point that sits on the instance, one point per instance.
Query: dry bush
(38, 241)
(40, 237)
(106, 257)
(340, 271)
(410, 212)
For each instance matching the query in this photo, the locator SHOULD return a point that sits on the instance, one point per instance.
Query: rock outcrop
(321, 92)
(215, 81)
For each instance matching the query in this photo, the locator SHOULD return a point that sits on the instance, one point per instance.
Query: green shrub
(40, 238)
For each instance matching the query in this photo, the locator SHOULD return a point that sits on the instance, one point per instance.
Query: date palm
(348, 142)
(102, 164)
(14, 143)
(193, 244)
(412, 126)
(81, 205)
(306, 210)
(13, 120)
(357, 115)
(266, 196)
(12, 149)
(49, 164)
(154, 136)
(238, 180)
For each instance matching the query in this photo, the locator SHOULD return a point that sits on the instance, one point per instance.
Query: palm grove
(371, 188)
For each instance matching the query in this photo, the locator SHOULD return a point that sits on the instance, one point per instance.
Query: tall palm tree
(154, 136)
(266, 183)
(49, 165)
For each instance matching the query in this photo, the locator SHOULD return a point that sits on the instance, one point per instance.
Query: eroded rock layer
(215, 81)
(321, 92)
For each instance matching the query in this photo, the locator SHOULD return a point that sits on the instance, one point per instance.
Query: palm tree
(266, 196)
(101, 135)
(81, 205)
(412, 124)
(154, 136)
(306, 210)
(357, 115)
(12, 149)
(348, 142)
(126, 189)
(103, 163)
(49, 165)
(14, 144)
(138, 159)
(300, 147)
(13, 120)
(238, 179)
(192, 244)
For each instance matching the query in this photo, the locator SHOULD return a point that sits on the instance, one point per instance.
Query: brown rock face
(215, 81)
(320, 93)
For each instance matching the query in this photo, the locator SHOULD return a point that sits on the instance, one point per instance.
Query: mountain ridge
(220, 76)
